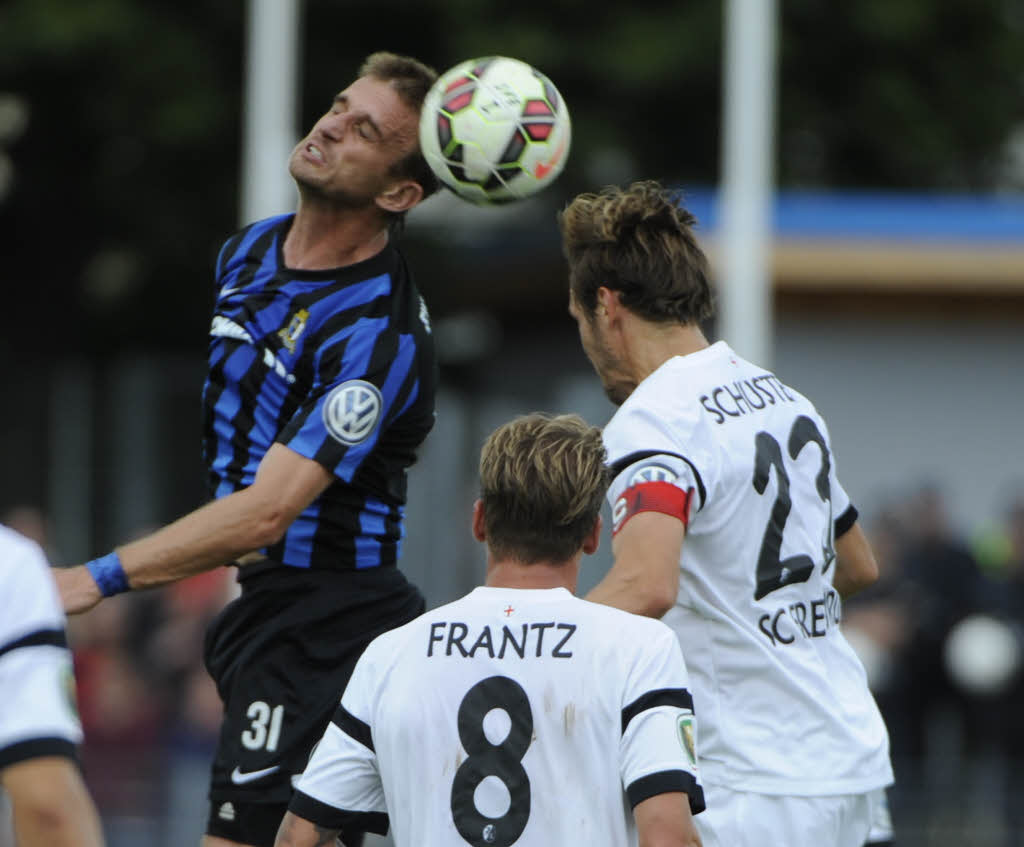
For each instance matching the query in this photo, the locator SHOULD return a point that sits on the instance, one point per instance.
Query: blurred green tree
(125, 181)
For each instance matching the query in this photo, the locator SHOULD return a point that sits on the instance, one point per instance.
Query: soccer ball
(495, 130)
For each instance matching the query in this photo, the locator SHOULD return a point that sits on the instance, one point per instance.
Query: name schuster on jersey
(756, 609)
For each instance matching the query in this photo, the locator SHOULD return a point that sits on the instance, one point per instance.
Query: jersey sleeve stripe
(351, 297)
(662, 783)
(329, 817)
(41, 637)
(353, 727)
(844, 523)
(678, 697)
(620, 465)
(36, 748)
(400, 378)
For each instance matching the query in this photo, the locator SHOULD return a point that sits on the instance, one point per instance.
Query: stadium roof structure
(887, 241)
(941, 247)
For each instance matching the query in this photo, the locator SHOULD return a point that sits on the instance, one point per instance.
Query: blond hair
(638, 241)
(542, 480)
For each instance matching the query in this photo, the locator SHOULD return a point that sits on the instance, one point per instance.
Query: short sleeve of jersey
(844, 513)
(658, 749)
(650, 468)
(342, 418)
(341, 787)
(37, 712)
(642, 448)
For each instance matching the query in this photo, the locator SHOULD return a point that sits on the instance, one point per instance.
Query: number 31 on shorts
(265, 728)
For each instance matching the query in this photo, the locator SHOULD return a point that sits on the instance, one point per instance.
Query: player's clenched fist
(78, 589)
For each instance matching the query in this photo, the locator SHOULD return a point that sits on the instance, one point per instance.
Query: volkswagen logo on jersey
(352, 410)
(652, 472)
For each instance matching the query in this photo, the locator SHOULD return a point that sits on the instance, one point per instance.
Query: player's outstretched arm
(215, 534)
(856, 567)
(664, 820)
(296, 831)
(51, 805)
(644, 578)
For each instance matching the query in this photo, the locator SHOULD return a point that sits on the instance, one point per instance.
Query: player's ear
(593, 538)
(479, 524)
(607, 301)
(401, 196)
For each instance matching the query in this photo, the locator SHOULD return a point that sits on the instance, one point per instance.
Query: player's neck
(652, 344)
(321, 238)
(507, 573)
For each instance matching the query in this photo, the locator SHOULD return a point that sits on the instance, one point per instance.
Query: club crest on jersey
(653, 472)
(289, 335)
(352, 410)
(687, 736)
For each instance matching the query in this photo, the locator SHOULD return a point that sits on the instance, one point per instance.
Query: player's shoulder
(250, 232)
(630, 621)
(28, 594)
(622, 628)
(664, 412)
(640, 423)
(392, 643)
(20, 557)
(264, 225)
(253, 236)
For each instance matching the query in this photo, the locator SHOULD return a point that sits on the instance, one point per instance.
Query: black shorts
(281, 655)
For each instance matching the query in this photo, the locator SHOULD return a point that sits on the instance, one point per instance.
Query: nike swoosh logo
(226, 328)
(242, 777)
(542, 169)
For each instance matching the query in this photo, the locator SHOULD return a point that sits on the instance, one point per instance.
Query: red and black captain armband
(661, 497)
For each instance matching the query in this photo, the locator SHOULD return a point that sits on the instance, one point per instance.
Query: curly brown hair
(638, 241)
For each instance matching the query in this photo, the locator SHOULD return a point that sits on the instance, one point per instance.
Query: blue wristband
(109, 575)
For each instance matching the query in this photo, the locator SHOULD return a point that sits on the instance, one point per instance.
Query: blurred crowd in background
(149, 710)
(938, 634)
(151, 713)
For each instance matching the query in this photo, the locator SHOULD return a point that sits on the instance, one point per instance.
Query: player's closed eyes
(364, 126)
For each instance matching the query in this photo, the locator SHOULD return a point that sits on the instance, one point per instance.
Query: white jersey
(37, 713)
(510, 715)
(784, 702)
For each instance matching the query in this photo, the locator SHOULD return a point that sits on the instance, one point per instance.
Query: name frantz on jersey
(450, 638)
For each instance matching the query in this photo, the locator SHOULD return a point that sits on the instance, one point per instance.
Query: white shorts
(881, 819)
(743, 819)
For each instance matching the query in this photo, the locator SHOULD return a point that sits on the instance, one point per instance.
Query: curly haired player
(731, 525)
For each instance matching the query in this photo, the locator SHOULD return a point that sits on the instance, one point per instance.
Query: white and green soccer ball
(495, 130)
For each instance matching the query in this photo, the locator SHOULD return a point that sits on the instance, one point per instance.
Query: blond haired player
(518, 714)
(730, 523)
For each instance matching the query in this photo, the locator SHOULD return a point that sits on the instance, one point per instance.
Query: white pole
(270, 114)
(745, 295)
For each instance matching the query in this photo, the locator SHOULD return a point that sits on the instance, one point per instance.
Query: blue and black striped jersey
(339, 366)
